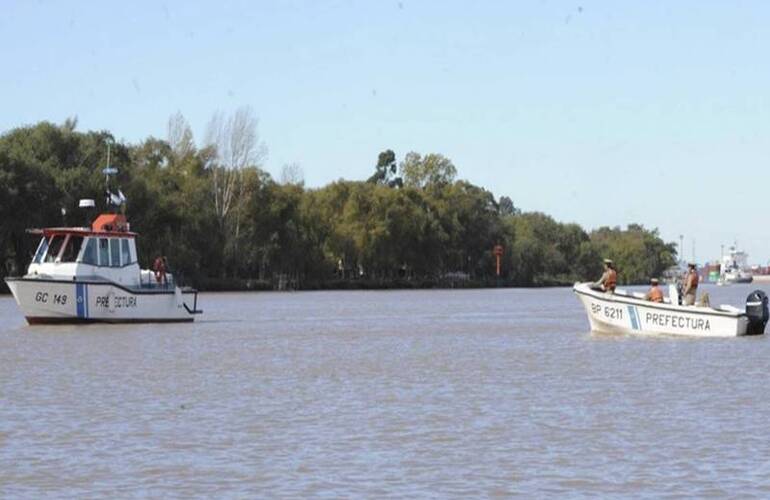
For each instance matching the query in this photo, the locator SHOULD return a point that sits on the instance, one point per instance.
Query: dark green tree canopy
(434, 227)
(386, 170)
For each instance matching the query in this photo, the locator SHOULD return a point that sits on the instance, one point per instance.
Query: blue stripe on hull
(634, 318)
(80, 299)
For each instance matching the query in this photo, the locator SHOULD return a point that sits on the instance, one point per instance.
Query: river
(381, 394)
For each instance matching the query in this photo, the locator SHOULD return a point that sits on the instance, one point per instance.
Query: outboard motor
(756, 310)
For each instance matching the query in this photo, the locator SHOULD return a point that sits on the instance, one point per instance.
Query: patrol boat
(92, 274)
(629, 313)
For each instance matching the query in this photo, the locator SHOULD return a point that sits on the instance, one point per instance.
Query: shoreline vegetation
(227, 225)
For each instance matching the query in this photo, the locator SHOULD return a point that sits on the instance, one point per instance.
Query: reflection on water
(413, 393)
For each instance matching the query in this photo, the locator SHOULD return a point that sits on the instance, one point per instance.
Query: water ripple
(428, 394)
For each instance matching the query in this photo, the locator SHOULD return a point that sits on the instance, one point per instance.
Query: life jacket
(656, 295)
(612, 280)
(692, 280)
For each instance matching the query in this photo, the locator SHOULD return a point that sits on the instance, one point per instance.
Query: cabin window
(115, 251)
(104, 252)
(72, 249)
(41, 249)
(89, 253)
(126, 252)
(54, 246)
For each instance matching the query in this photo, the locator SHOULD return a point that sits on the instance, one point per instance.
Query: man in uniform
(690, 285)
(608, 280)
(654, 294)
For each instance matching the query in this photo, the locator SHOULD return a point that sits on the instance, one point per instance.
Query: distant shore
(242, 285)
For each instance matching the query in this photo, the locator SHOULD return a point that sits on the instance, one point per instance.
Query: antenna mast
(108, 171)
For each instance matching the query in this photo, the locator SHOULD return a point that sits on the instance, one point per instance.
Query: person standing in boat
(609, 278)
(690, 285)
(159, 266)
(654, 294)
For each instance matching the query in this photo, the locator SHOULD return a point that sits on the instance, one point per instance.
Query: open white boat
(623, 312)
(91, 274)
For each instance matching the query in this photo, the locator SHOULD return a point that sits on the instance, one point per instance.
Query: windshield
(72, 249)
(104, 252)
(126, 252)
(54, 245)
(115, 252)
(41, 249)
(89, 254)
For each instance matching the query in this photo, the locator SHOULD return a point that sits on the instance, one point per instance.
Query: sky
(599, 113)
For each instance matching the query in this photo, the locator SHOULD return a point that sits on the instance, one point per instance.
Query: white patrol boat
(91, 274)
(623, 312)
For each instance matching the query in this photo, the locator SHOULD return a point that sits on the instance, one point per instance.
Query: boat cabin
(106, 250)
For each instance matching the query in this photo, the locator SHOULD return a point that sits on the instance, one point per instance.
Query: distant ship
(734, 268)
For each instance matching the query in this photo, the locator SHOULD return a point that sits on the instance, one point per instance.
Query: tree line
(225, 223)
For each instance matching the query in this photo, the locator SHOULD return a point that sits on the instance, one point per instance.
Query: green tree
(639, 253)
(386, 170)
(177, 193)
(506, 207)
(432, 171)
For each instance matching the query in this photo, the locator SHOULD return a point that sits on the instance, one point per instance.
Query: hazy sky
(601, 113)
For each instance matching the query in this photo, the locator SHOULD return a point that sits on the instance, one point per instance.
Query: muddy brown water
(381, 394)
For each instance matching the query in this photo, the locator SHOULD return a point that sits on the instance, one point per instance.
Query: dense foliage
(225, 223)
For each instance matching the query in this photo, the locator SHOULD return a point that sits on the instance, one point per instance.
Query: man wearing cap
(690, 285)
(608, 280)
(654, 294)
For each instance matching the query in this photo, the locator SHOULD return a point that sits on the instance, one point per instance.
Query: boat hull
(48, 301)
(741, 280)
(613, 313)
